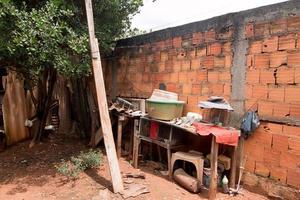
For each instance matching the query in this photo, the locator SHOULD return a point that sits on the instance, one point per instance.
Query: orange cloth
(223, 135)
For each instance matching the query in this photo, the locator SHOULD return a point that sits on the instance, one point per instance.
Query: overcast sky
(168, 13)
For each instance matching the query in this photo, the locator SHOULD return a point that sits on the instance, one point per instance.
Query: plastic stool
(191, 157)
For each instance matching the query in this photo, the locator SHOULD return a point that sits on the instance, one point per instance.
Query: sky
(169, 13)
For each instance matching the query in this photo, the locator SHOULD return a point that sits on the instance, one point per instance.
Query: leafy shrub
(80, 163)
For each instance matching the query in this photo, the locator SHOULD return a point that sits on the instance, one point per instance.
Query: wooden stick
(102, 103)
(233, 168)
(213, 167)
(119, 143)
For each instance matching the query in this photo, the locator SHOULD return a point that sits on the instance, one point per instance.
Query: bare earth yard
(30, 174)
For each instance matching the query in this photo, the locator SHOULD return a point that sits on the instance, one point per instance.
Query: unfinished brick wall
(273, 88)
(195, 66)
(203, 59)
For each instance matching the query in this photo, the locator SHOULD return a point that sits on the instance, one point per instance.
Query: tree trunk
(45, 92)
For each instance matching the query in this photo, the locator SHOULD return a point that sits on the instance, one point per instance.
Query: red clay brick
(253, 76)
(213, 76)
(214, 49)
(227, 89)
(250, 60)
(182, 77)
(205, 89)
(263, 137)
(201, 51)
(198, 38)
(294, 59)
(228, 61)
(265, 108)
(270, 44)
(278, 174)
(280, 143)
(293, 177)
(293, 23)
(195, 63)
(281, 110)
(250, 165)
(255, 47)
(186, 89)
(271, 157)
(217, 89)
(196, 89)
(262, 61)
(182, 98)
(276, 94)
(295, 110)
(261, 169)
(294, 144)
(279, 26)
(177, 42)
(146, 77)
(219, 61)
(225, 76)
(262, 29)
(202, 75)
(163, 56)
(225, 34)
(291, 130)
(278, 59)
(266, 76)
(227, 48)
(253, 150)
(192, 53)
(174, 77)
(249, 91)
(210, 36)
(251, 104)
(176, 66)
(298, 41)
(192, 77)
(249, 30)
(161, 66)
(297, 75)
(286, 42)
(261, 91)
(193, 100)
(289, 160)
(274, 128)
(208, 62)
(186, 65)
(292, 94)
(285, 75)
(173, 87)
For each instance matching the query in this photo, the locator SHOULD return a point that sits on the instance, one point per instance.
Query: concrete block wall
(252, 58)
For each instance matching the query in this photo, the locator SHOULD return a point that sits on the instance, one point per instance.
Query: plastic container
(164, 110)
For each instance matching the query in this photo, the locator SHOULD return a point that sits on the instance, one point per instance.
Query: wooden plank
(119, 143)
(233, 168)
(136, 143)
(102, 103)
(213, 166)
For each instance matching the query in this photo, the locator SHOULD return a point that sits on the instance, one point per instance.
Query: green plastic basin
(164, 110)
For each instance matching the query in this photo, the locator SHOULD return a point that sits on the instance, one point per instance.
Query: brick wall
(204, 58)
(273, 88)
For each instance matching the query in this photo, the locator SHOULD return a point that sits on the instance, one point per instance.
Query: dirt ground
(30, 174)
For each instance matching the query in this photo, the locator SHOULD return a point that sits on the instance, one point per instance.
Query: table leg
(213, 166)
(169, 162)
(233, 168)
(119, 142)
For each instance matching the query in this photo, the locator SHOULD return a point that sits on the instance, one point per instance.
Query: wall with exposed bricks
(252, 58)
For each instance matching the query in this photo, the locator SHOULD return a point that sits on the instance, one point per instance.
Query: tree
(42, 38)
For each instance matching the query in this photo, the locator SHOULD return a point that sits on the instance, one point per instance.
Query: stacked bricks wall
(195, 66)
(273, 88)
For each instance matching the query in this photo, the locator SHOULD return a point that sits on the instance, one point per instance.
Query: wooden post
(233, 168)
(136, 144)
(213, 167)
(119, 144)
(102, 103)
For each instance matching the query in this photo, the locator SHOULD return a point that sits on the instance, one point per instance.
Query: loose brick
(262, 61)
(177, 42)
(291, 130)
(249, 30)
(210, 36)
(278, 174)
(262, 29)
(293, 59)
(293, 176)
(279, 26)
(285, 75)
(208, 62)
(261, 169)
(214, 49)
(186, 65)
(271, 157)
(276, 93)
(195, 63)
(280, 143)
(278, 58)
(266, 76)
(196, 89)
(255, 47)
(253, 76)
(293, 23)
(292, 94)
(198, 38)
(286, 42)
(213, 76)
(282, 110)
(265, 108)
(294, 144)
(270, 44)
(261, 91)
(295, 110)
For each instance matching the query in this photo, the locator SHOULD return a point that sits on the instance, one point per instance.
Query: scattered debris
(133, 190)
(134, 175)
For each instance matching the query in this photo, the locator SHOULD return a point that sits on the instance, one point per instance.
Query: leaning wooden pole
(102, 103)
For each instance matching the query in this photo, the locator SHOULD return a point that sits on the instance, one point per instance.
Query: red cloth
(153, 130)
(223, 135)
